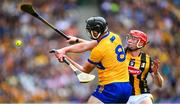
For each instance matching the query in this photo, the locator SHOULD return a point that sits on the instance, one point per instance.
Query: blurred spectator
(28, 73)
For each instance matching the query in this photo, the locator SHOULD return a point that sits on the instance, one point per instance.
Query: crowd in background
(31, 74)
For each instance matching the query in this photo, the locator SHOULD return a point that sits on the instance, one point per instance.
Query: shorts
(118, 92)
(136, 99)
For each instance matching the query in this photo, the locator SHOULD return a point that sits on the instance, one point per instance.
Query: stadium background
(31, 74)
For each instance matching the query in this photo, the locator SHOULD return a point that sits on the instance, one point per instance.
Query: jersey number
(121, 55)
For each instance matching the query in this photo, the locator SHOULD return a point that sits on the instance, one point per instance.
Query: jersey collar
(104, 36)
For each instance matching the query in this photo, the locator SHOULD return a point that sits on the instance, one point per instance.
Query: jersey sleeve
(95, 56)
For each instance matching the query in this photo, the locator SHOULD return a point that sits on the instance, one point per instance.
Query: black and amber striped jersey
(139, 67)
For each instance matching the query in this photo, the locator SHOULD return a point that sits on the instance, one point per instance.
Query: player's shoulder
(146, 54)
(114, 34)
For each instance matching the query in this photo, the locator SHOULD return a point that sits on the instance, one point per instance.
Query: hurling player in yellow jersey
(110, 59)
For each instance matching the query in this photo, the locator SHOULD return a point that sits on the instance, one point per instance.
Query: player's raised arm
(158, 79)
(73, 39)
(76, 48)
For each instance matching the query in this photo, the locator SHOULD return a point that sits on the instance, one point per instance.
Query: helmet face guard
(97, 24)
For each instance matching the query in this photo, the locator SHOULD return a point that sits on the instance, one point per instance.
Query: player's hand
(72, 40)
(60, 54)
(155, 65)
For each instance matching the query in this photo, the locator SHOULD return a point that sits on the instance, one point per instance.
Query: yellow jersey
(110, 58)
(139, 67)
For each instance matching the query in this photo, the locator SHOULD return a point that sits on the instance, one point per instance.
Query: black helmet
(97, 24)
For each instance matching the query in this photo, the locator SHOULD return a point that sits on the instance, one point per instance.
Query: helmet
(141, 36)
(97, 24)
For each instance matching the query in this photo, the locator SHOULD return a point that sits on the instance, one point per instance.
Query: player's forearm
(77, 65)
(158, 79)
(81, 40)
(80, 47)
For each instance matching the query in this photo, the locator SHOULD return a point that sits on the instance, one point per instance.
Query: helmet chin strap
(95, 37)
(138, 46)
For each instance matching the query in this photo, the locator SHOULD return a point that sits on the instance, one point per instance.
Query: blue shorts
(118, 92)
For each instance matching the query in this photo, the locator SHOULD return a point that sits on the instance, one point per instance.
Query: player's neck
(135, 53)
